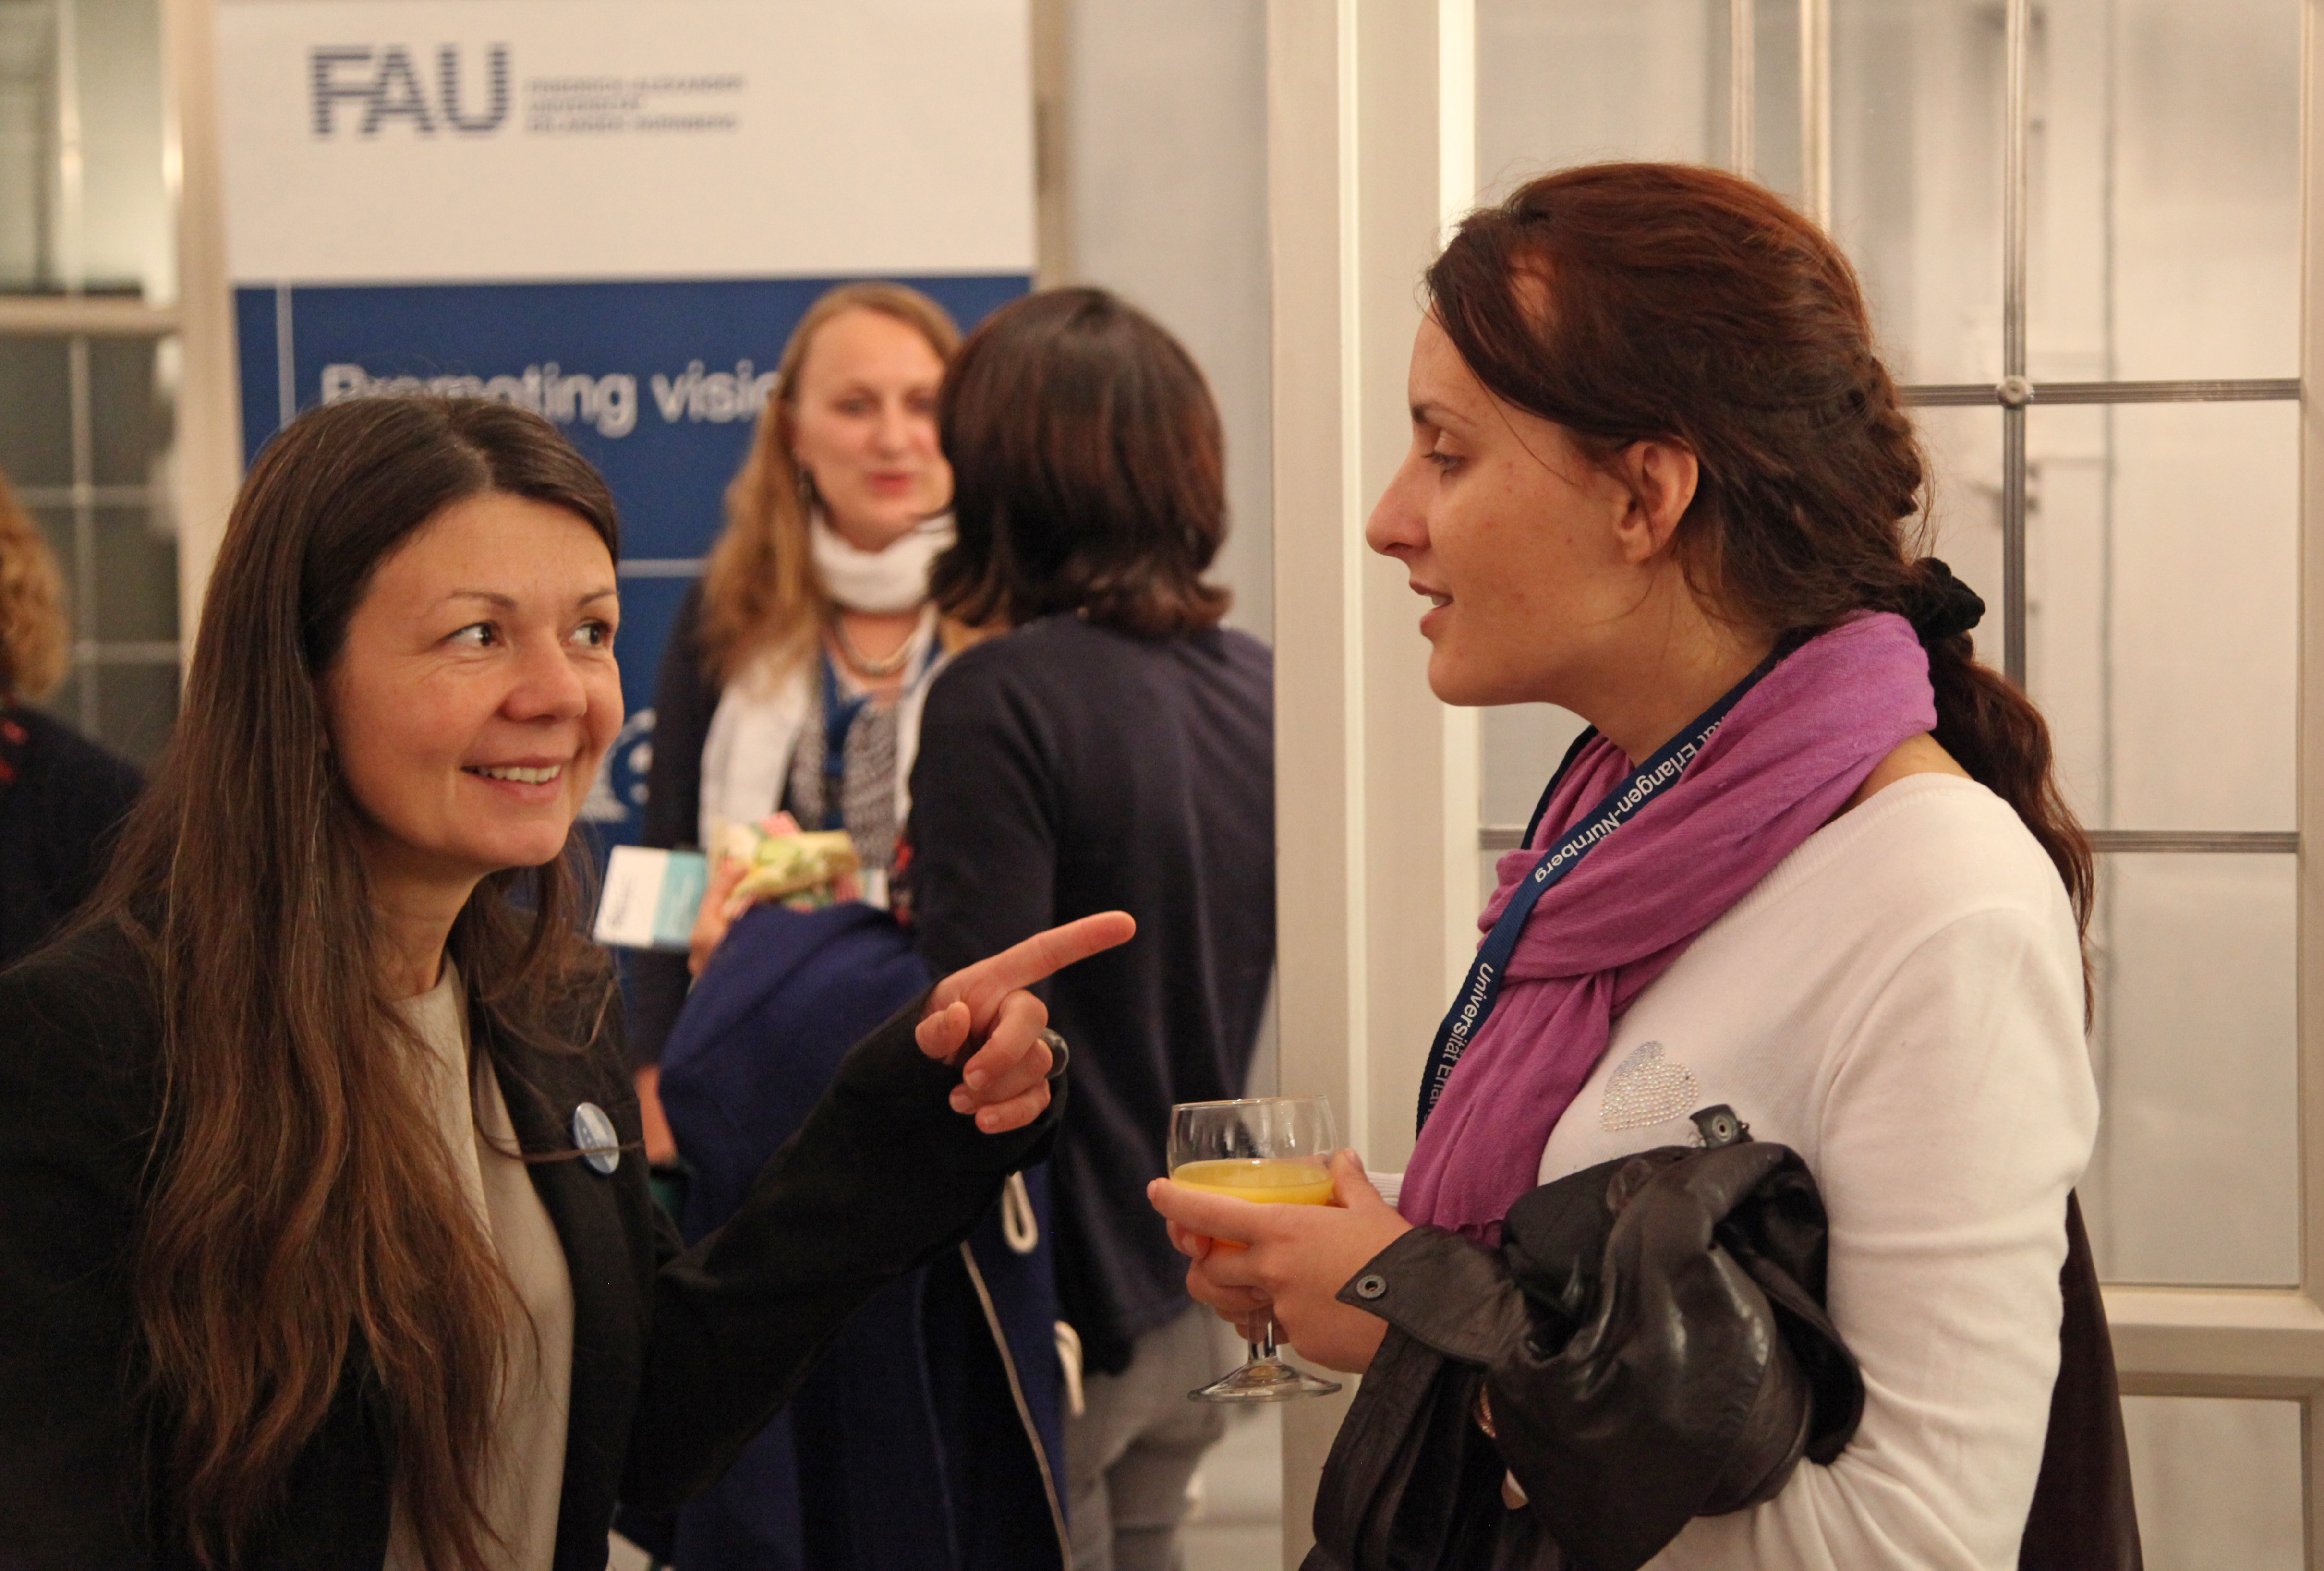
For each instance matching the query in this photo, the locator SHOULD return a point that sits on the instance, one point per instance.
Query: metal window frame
(2200, 1342)
(2219, 1341)
(2015, 393)
(82, 496)
(78, 318)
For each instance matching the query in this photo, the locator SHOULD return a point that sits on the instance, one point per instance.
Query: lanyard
(1482, 986)
(839, 716)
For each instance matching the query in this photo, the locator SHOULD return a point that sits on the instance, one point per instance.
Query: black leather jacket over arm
(1650, 1344)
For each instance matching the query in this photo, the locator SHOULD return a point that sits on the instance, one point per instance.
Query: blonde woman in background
(795, 671)
(61, 796)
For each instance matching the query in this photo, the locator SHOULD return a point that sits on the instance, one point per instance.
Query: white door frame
(1370, 147)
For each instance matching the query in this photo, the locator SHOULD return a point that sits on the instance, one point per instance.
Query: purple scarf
(1792, 752)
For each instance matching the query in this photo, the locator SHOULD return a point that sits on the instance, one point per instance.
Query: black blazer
(685, 700)
(678, 1356)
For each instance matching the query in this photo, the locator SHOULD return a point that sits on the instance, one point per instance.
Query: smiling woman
(296, 1265)
(473, 696)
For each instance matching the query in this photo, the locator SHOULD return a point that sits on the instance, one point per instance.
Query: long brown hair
(1089, 473)
(304, 1228)
(759, 587)
(1645, 302)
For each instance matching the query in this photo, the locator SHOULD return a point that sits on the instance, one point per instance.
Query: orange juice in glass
(1273, 1150)
(1267, 1180)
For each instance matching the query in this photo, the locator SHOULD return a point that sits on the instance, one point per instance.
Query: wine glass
(1272, 1149)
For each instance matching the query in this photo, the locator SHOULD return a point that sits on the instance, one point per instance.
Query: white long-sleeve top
(1900, 1001)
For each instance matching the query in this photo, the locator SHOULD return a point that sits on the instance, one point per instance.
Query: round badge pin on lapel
(594, 1133)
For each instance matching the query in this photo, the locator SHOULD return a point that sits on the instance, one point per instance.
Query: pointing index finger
(1044, 954)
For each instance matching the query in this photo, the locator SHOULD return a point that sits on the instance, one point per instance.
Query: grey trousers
(1131, 1455)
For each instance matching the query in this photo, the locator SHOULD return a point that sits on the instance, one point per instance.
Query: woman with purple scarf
(1810, 862)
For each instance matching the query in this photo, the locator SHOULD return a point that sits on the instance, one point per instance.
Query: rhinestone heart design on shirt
(1647, 1088)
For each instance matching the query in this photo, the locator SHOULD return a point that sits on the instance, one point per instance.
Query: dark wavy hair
(1633, 302)
(1089, 474)
(303, 1224)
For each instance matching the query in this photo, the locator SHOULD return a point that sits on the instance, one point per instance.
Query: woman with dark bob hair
(1801, 912)
(323, 1236)
(1114, 748)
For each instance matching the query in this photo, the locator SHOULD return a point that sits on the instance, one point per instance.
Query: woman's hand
(1005, 1082)
(716, 913)
(1294, 1260)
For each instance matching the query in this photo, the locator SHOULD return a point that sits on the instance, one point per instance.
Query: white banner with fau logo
(610, 212)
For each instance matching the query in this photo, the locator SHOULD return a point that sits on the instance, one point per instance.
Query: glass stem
(1262, 1346)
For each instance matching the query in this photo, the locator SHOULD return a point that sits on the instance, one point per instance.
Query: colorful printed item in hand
(805, 869)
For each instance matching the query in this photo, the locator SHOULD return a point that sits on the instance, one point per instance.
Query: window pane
(136, 707)
(2217, 1482)
(126, 244)
(129, 414)
(1569, 81)
(1916, 153)
(2195, 1175)
(137, 579)
(28, 152)
(1776, 100)
(2164, 239)
(1963, 447)
(57, 529)
(36, 392)
(93, 216)
(2162, 617)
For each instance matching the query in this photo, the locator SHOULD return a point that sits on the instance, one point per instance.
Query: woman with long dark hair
(1810, 862)
(324, 1237)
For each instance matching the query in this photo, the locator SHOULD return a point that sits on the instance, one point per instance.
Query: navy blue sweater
(1065, 768)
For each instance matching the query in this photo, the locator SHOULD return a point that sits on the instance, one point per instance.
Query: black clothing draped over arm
(679, 1357)
(1066, 769)
(685, 699)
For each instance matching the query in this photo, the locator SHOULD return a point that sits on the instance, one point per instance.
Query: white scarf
(892, 579)
(746, 754)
